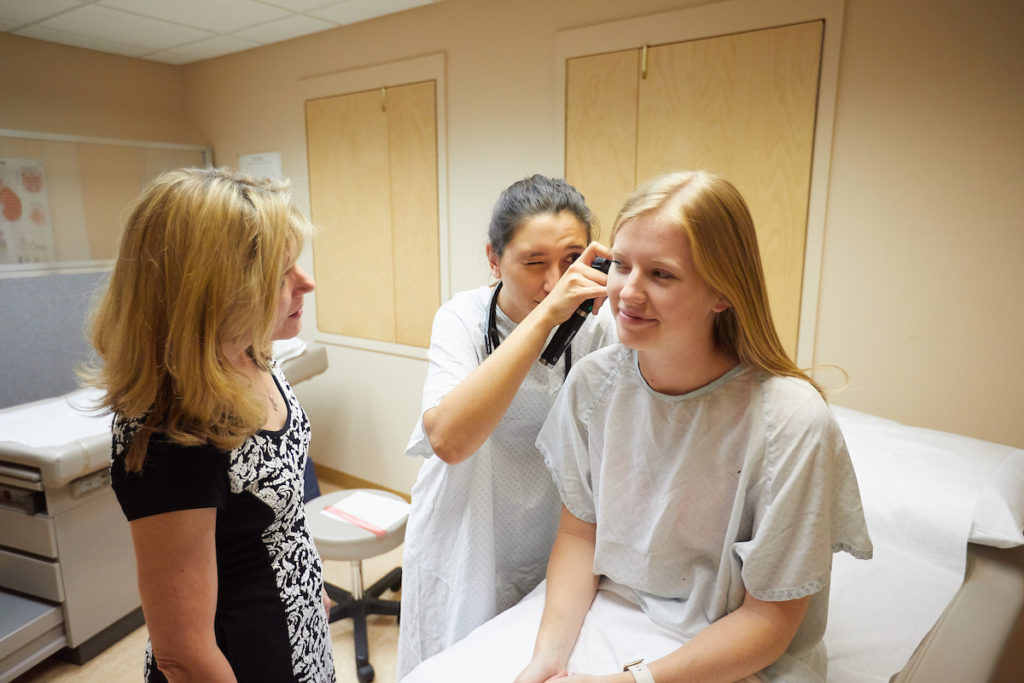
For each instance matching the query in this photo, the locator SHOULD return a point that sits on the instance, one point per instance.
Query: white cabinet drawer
(30, 575)
(32, 533)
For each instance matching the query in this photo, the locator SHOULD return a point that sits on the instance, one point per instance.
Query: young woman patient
(704, 481)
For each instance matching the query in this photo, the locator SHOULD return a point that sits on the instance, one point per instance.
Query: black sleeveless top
(270, 622)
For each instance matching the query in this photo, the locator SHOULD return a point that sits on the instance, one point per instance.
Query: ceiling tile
(56, 36)
(351, 11)
(203, 49)
(170, 28)
(220, 16)
(113, 25)
(21, 12)
(284, 29)
(299, 5)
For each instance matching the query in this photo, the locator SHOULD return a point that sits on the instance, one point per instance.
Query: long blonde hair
(200, 265)
(715, 218)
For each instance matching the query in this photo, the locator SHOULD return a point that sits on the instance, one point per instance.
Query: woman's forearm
(470, 412)
(737, 645)
(571, 586)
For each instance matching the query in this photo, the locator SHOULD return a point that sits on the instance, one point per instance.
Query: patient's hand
(540, 672)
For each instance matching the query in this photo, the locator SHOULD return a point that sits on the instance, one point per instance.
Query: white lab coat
(479, 532)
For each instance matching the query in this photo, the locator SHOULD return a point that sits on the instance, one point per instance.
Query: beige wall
(65, 90)
(920, 296)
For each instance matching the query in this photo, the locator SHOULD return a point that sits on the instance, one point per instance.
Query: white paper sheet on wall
(265, 166)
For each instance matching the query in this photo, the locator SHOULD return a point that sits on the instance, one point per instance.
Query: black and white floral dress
(270, 621)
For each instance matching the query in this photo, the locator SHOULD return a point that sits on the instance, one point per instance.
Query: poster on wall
(26, 235)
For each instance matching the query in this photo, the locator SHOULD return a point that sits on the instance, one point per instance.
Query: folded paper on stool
(368, 511)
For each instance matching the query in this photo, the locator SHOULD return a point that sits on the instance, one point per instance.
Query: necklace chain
(268, 393)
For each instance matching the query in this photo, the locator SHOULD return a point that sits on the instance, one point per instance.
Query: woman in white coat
(484, 508)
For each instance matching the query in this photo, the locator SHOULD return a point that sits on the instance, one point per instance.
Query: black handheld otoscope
(567, 330)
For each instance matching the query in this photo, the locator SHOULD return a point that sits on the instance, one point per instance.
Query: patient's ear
(721, 304)
(495, 262)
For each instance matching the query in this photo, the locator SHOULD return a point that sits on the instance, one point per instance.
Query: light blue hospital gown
(479, 532)
(744, 484)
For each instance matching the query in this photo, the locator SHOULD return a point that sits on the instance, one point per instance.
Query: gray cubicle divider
(42, 333)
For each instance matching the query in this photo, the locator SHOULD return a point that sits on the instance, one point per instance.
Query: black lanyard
(491, 339)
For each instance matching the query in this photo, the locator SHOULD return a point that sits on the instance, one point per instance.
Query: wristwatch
(640, 672)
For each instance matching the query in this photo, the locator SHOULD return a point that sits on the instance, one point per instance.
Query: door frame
(722, 18)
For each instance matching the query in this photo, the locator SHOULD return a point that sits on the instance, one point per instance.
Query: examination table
(941, 601)
(67, 568)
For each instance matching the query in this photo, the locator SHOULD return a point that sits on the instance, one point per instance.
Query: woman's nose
(551, 278)
(305, 283)
(631, 289)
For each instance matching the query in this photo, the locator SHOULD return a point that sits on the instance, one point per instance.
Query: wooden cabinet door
(350, 202)
(742, 106)
(414, 211)
(600, 131)
(373, 195)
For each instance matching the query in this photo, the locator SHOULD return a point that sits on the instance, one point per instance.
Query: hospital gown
(479, 532)
(743, 484)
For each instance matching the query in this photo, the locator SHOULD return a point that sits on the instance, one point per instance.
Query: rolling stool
(336, 540)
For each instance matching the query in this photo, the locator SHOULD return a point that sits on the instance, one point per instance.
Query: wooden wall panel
(412, 132)
(743, 106)
(347, 138)
(600, 131)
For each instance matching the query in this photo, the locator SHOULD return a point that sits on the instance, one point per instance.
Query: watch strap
(641, 674)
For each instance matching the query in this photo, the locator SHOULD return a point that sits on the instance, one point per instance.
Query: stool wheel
(365, 673)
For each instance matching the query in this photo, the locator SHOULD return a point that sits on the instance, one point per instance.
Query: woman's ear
(494, 261)
(721, 304)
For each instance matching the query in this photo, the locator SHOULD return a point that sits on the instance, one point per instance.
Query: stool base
(349, 606)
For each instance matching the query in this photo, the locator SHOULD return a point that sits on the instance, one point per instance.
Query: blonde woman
(737, 478)
(209, 442)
